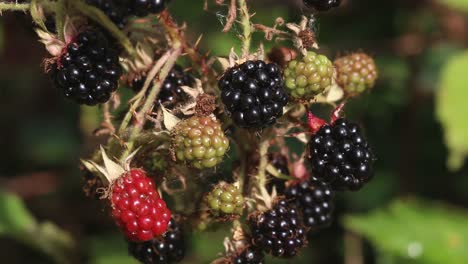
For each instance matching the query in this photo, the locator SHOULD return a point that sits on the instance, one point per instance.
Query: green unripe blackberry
(225, 199)
(199, 142)
(309, 76)
(356, 73)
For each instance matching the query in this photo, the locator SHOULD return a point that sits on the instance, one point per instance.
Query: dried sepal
(303, 37)
(170, 120)
(52, 44)
(265, 200)
(109, 172)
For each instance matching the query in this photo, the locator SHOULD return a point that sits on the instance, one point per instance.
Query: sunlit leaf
(430, 233)
(452, 109)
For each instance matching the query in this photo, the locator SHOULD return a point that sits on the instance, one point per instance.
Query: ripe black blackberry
(314, 201)
(171, 92)
(119, 11)
(170, 248)
(278, 231)
(253, 93)
(249, 255)
(322, 5)
(341, 156)
(89, 69)
(280, 162)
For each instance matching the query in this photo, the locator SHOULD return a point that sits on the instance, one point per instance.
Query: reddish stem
(335, 115)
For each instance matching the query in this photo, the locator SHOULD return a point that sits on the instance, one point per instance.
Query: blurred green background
(414, 211)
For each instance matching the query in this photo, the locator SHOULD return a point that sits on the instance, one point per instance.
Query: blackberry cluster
(89, 69)
(314, 200)
(322, 5)
(170, 248)
(309, 76)
(253, 93)
(119, 11)
(171, 92)
(226, 199)
(356, 73)
(341, 156)
(200, 142)
(280, 162)
(249, 255)
(278, 231)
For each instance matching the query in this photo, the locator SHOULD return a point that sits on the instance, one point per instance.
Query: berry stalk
(247, 27)
(151, 98)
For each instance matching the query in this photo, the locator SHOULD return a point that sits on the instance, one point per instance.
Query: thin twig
(14, 7)
(177, 34)
(60, 18)
(138, 98)
(232, 15)
(263, 152)
(150, 100)
(247, 27)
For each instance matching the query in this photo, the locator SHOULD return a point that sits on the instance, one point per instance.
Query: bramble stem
(247, 27)
(98, 16)
(263, 152)
(137, 99)
(60, 17)
(14, 7)
(151, 98)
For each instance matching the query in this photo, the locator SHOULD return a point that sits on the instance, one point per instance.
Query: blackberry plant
(230, 117)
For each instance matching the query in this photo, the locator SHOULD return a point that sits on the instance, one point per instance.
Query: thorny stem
(14, 7)
(263, 151)
(98, 16)
(177, 34)
(247, 27)
(151, 98)
(139, 97)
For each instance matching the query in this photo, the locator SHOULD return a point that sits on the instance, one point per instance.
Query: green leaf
(109, 249)
(14, 217)
(424, 232)
(461, 5)
(17, 223)
(452, 109)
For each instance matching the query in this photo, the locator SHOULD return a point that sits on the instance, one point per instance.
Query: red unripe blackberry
(278, 231)
(253, 94)
(171, 92)
(169, 248)
(322, 5)
(341, 156)
(137, 207)
(88, 70)
(314, 201)
(119, 11)
(249, 255)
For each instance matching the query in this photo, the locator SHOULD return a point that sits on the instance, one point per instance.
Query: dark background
(42, 136)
